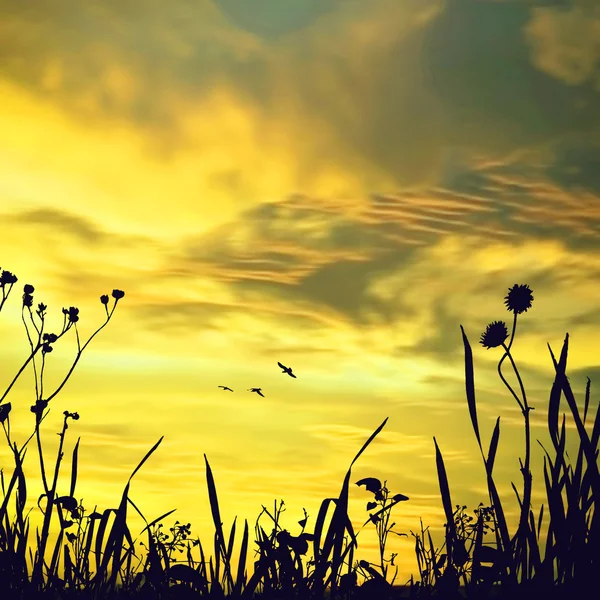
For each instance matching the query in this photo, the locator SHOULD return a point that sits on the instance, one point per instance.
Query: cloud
(271, 19)
(564, 41)
(353, 97)
(312, 273)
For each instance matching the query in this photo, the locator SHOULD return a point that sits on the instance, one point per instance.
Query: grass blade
(470, 386)
(148, 454)
(74, 468)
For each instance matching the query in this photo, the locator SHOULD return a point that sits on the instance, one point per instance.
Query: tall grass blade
(240, 579)
(214, 506)
(555, 392)
(335, 534)
(587, 399)
(561, 379)
(99, 538)
(489, 463)
(148, 454)
(74, 469)
(446, 500)
(470, 386)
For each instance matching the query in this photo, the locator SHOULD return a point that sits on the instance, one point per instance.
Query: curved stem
(521, 535)
(79, 353)
(19, 372)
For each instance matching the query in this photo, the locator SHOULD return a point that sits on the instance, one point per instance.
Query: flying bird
(224, 387)
(287, 370)
(257, 390)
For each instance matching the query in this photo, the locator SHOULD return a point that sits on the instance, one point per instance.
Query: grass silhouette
(94, 555)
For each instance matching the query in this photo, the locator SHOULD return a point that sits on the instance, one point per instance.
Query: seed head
(518, 299)
(494, 335)
(104, 299)
(118, 294)
(7, 278)
(39, 407)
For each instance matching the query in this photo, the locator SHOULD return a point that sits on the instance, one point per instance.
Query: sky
(334, 184)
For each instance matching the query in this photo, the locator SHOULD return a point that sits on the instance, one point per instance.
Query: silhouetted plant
(94, 555)
(572, 541)
(14, 571)
(381, 518)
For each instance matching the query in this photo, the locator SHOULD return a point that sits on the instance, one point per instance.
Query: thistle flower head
(518, 299)
(495, 334)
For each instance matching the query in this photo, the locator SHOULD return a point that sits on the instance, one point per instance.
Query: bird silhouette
(224, 387)
(287, 370)
(257, 390)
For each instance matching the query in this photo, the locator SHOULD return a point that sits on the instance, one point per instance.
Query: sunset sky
(334, 184)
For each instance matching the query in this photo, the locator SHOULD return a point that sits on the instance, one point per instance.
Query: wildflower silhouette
(40, 342)
(380, 519)
(518, 300)
(494, 335)
(287, 370)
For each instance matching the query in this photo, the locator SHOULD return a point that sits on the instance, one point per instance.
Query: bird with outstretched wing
(224, 387)
(287, 370)
(257, 390)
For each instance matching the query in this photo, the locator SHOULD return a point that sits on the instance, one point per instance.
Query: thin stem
(522, 532)
(50, 501)
(507, 353)
(80, 352)
(19, 372)
(5, 294)
(31, 346)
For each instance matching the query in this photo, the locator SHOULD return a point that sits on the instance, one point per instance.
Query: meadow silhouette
(95, 555)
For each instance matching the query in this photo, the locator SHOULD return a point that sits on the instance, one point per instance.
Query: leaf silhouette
(371, 483)
(4, 410)
(399, 498)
